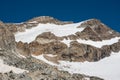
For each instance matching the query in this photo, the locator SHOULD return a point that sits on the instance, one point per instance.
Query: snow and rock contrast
(45, 48)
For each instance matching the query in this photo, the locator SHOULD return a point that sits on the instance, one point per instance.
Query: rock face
(21, 27)
(115, 47)
(7, 40)
(47, 37)
(23, 48)
(89, 34)
(12, 27)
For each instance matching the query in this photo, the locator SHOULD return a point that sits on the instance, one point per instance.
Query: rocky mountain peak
(47, 19)
(96, 25)
(91, 22)
(95, 28)
(42, 18)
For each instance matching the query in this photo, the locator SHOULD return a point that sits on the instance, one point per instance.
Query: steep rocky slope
(7, 39)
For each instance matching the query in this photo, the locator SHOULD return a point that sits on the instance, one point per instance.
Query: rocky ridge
(21, 27)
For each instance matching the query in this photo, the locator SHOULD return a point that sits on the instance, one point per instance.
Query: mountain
(45, 48)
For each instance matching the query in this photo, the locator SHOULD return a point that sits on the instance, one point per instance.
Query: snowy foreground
(107, 68)
(6, 68)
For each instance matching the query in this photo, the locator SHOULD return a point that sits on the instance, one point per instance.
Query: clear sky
(108, 11)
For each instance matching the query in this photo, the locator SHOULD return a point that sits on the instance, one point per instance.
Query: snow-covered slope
(107, 68)
(59, 30)
(6, 68)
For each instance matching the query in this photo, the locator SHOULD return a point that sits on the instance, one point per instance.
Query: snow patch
(51, 55)
(21, 56)
(6, 68)
(33, 22)
(41, 57)
(59, 30)
(97, 44)
(86, 78)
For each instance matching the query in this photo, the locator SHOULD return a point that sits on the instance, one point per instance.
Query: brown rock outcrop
(83, 52)
(106, 51)
(36, 48)
(12, 27)
(88, 34)
(72, 37)
(47, 37)
(23, 48)
(21, 27)
(90, 22)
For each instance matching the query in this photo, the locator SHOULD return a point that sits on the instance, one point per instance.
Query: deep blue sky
(108, 11)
